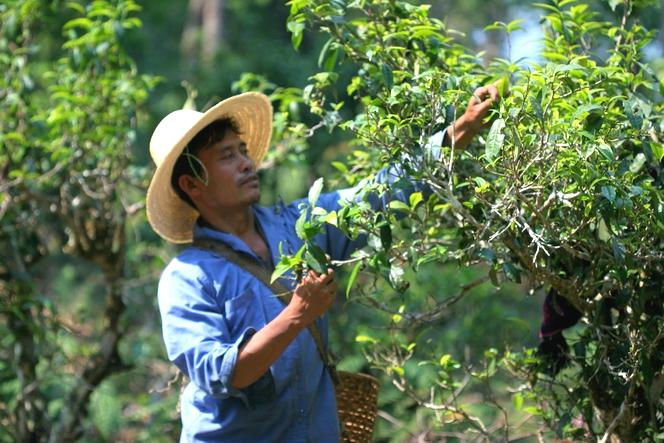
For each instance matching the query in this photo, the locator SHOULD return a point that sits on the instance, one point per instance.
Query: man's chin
(255, 197)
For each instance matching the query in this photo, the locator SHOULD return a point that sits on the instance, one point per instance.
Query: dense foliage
(565, 190)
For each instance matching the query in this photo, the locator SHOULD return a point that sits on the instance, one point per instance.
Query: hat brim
(167, 213)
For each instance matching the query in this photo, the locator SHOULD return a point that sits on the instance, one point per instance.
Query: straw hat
(168, 214)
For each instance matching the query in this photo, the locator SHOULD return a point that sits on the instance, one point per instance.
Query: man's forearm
(461, 132)
(265, 347)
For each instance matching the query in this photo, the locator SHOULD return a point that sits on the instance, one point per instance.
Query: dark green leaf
(512, 272)
(633, 112)
(618, 251)
(609, 192)
(387, 76)
(386, 236)
(316, 259)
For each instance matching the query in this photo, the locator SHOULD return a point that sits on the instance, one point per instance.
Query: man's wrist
(461, 131)
(294, 319)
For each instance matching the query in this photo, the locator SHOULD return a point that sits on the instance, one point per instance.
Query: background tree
(67, 195)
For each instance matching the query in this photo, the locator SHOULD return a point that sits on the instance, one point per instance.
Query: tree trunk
(103, 364)
(29, 414)
(213, 26)
(203, 31)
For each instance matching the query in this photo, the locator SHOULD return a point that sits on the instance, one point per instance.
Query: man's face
(231, 175)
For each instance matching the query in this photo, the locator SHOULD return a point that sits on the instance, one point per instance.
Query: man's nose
(247, 164)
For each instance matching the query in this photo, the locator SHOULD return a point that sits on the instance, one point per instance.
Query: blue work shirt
(210, 307)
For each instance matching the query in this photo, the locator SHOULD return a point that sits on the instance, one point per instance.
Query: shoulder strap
(263, 275)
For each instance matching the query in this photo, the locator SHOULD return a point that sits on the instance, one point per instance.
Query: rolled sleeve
(197, 337)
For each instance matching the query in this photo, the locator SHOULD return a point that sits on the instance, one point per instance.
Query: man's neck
(239, 223)
(242, 224)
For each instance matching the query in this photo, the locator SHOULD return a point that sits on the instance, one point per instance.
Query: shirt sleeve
(196, 333)
(334, 242)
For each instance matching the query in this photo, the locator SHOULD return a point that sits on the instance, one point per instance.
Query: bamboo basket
(357, 402)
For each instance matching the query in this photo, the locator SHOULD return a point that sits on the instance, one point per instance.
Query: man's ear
(189, 185)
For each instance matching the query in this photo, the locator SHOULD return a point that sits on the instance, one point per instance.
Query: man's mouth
(249, 180)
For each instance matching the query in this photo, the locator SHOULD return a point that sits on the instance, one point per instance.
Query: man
(256, 374)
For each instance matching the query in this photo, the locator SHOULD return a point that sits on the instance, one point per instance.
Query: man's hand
(462, 131)
(313, 296)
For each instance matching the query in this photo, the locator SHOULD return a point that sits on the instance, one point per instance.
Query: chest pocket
(243, 311)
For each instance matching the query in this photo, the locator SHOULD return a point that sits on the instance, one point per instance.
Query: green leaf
(633, 112)
(415, 199)
(282, 267)
(300, 226)
(517, 400)
(615, 3)
(445, 360)
(495, 140)
(316, 259)
(76, 7)
(603, 232)
(387, 76)
(657, 150)
(532, 410)
(353, 277)
(606, 151)
(618, 251)
(386, 236)
(591, 108)
(341, 167)
(398, 205)
(328, 56)
(296, 29)
(80, 22)
(488, 255)
(637, 163)
(512, 272)
(493, 276)
(365, 339)
(514, 25)
(314, 191)
(609, 192)
(503, 86)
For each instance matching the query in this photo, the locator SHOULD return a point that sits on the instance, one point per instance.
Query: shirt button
(301, 411)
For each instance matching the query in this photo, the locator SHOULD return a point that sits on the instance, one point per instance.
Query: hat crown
(169, 131)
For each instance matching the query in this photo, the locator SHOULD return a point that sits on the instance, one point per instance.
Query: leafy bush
(564, 191)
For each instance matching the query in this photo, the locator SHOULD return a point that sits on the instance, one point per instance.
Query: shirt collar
(269, 221)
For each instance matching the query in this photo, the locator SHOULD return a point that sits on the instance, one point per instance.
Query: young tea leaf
(495, 140)
(314, 192)
(353, 276)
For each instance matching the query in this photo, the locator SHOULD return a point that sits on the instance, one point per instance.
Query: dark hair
(205, 138)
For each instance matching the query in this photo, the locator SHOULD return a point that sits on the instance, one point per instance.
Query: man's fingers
(485, 94)
(493, 92)
(326, 278)
(484, 107)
